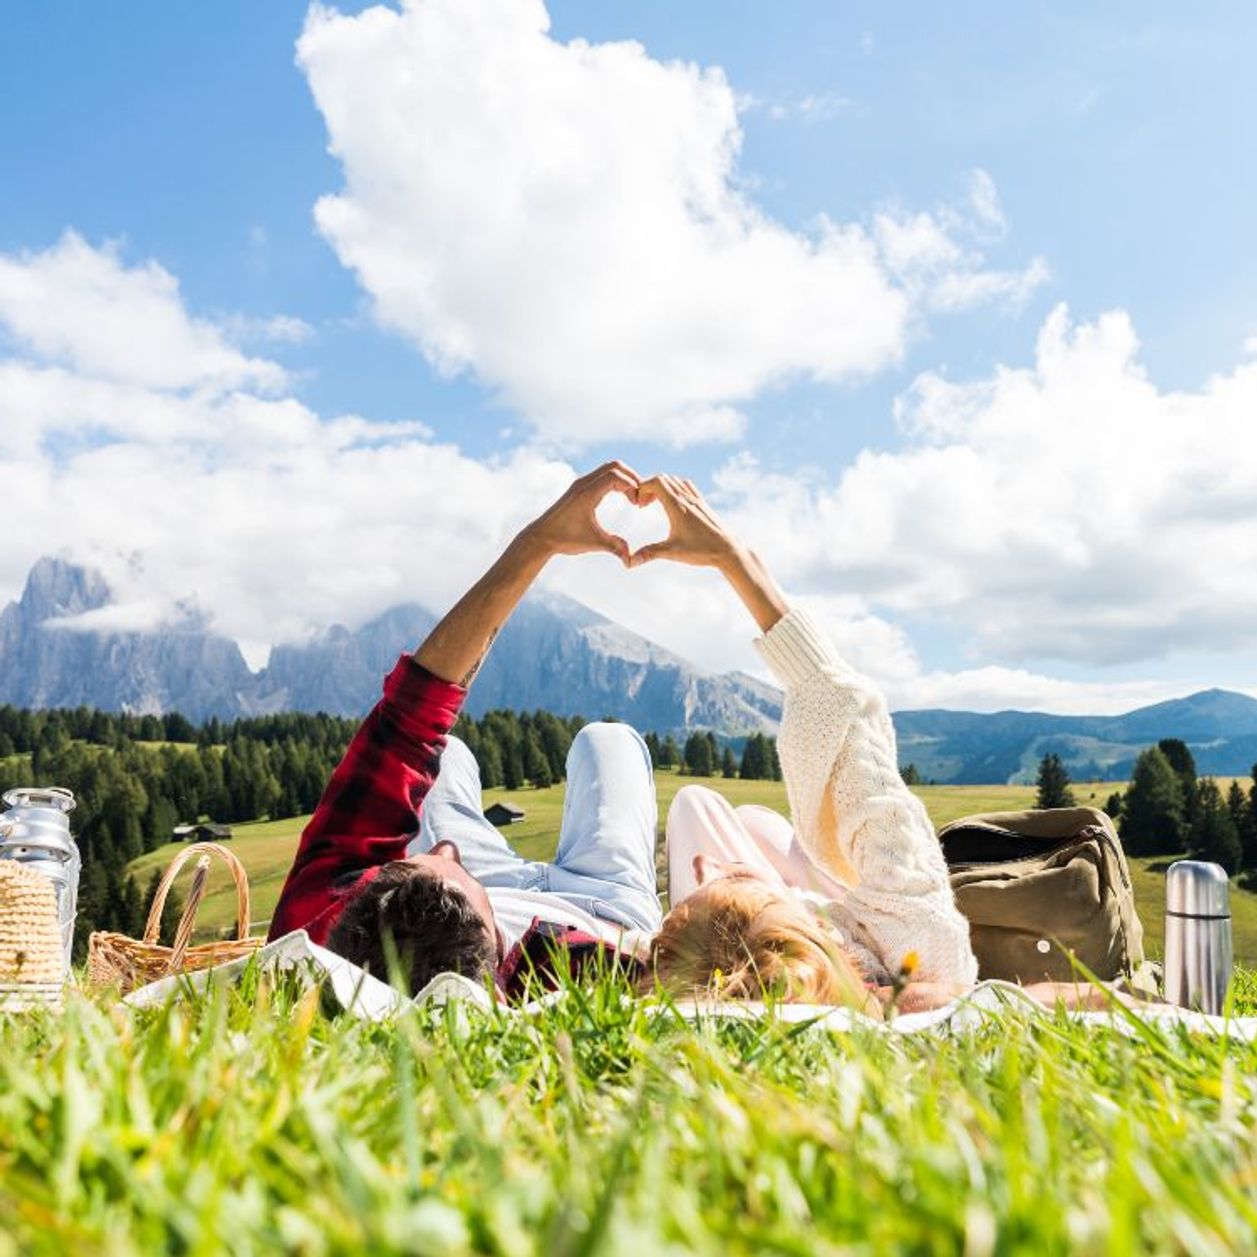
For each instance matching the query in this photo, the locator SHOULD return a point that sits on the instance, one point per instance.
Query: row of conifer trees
(136, 777)
(1169, 809)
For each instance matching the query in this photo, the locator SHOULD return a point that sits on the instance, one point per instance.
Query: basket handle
(204, 850)
(183, 931)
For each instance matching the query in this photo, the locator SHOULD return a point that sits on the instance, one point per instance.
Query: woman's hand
(695, 533)
(697, 536)
(571, 525)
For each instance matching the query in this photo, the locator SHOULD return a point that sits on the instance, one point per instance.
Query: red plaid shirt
(370, 812)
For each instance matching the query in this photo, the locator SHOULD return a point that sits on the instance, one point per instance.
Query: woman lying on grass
(851, 901)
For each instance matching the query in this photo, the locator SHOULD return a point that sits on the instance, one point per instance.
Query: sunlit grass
(251, 1122)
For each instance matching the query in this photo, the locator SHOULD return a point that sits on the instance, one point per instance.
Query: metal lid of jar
(1197, 888)
(55, 797)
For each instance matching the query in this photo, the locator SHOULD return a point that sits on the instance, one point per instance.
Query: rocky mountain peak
(57, 587)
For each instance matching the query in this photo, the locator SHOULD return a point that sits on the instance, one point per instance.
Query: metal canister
(1198, 953)
(35, 829)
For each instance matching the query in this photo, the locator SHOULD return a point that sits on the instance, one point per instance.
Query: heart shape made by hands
(638, 525)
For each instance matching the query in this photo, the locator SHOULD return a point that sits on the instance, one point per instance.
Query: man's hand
(457, 646)
(571, 525)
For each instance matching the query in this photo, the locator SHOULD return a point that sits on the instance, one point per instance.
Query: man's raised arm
(457, 646)
(370, 808)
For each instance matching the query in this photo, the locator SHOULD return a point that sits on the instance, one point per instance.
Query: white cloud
(255, 513)
(198, 495)
(810, 107)
(937, 257)
(1067, 510)
(278, 329)
(81, 307)
(568, 221)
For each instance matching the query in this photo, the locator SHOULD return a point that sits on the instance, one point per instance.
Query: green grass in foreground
(250, 1122)
(266, 848)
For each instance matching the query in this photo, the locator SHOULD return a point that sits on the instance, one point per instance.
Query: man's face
(443, 861)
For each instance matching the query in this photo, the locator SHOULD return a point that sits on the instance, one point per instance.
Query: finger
(656, 489)
(612, 544)
(677, 485)
(610, 479)
(614, 465)
(657, 550)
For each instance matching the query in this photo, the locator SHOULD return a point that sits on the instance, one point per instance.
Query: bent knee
(695, 801)
(608, 733)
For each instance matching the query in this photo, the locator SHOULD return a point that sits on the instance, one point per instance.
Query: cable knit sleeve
(853, 813)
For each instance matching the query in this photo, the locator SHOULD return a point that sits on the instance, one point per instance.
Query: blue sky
(1119, 142)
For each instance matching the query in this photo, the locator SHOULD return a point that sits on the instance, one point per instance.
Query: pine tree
(755, 765)
(652, 745)
(489, 757)
(699, 761)
(1249, 856)
(728, 765)
(1213, 835)
(911, 776)
(1181, 760)
(536, 763)
(513, 774)
(1054, 783)
(669, 752)
(1242, 818)
(1152, 808)
(1113, 805)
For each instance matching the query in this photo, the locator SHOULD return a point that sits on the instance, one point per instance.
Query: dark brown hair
(433, 928)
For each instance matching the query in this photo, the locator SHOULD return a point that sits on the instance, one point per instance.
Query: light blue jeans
(605, 862)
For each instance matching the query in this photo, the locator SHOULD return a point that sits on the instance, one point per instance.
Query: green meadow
(256, 1119)
(266, 847)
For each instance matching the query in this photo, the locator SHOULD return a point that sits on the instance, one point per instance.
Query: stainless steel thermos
(1197, 935)
(35, 829)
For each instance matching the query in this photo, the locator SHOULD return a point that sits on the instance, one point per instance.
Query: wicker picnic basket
(116, 960)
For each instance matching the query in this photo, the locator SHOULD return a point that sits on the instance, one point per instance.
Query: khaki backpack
(1040, 886)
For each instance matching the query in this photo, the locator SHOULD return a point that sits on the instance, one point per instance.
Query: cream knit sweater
(855, 817)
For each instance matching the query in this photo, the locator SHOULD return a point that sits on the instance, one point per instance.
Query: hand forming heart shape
(583, 519)
(637, 525)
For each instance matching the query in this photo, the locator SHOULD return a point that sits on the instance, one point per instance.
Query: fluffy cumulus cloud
(1065, 510)
(567, 221)
(182, 469)
(81, 308)
(206, 491)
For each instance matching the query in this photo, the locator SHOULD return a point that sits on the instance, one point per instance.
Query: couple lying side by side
(834, 906)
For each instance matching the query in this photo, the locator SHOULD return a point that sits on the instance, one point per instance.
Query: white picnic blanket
(364, 996)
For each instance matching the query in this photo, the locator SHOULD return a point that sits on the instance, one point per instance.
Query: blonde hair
(739, 938)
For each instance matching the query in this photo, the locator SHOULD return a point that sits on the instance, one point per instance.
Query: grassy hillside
(254, 1123)
(266, 848)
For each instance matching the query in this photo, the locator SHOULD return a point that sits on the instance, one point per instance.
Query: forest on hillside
(136, 777)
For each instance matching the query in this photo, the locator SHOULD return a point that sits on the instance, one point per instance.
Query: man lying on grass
(399, 860)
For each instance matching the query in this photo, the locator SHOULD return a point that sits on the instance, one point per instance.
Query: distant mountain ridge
(556, 654)
(1220, 727)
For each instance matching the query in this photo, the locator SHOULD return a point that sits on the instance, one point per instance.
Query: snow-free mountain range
(555, 654)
